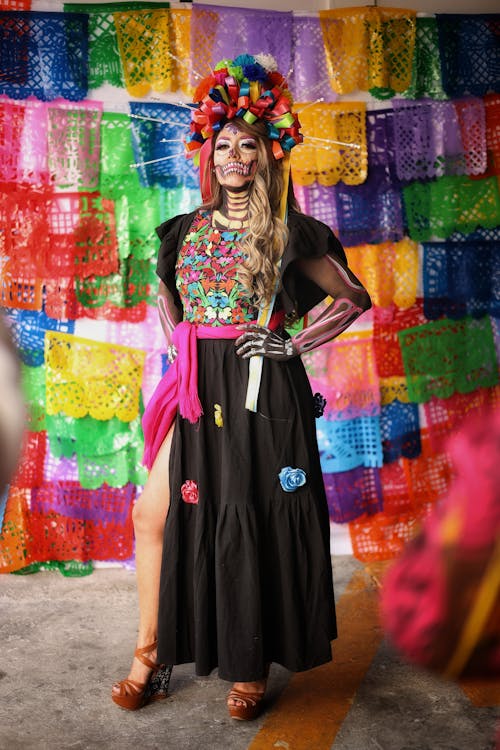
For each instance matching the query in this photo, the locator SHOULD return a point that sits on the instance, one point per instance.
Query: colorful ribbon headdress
(249, 87)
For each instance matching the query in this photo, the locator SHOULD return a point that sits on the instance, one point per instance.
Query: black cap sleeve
(309, 238)
(171, 234)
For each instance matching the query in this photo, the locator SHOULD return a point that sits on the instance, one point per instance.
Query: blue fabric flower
(254, 72)
(291, 479)
(244, 60)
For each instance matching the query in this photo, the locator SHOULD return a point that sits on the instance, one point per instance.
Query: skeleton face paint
(235, 157)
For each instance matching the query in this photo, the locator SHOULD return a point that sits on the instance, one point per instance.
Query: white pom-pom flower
(268, 62)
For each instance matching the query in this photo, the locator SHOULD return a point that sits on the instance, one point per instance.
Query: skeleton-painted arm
(169, 317)
(350, 299)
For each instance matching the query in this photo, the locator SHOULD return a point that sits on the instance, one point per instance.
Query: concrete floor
(64, 641)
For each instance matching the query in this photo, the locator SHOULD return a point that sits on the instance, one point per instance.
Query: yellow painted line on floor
(482, 693)
(312, 707)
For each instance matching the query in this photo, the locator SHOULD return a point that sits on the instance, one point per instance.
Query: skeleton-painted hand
(259, 340)
(172, 353)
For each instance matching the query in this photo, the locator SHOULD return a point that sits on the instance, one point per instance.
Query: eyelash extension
(247, 144)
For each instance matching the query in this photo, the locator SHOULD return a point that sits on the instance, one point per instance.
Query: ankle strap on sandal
(140, 654)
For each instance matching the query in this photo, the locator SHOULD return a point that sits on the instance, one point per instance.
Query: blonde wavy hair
(267, 234)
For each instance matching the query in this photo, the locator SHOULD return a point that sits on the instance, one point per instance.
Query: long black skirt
(246, 573)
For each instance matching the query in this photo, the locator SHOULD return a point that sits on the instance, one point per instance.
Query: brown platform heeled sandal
(250, 705)
(133, 695)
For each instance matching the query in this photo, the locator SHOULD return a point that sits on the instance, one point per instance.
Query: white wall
(425, 6)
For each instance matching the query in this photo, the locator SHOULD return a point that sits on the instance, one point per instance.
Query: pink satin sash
(178, 388)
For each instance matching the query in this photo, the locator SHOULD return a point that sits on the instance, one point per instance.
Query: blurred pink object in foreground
(440, 602)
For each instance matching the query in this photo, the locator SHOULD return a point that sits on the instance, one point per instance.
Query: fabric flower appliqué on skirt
(291, 479)
(189, 492)
(319, 405)
(219, 420)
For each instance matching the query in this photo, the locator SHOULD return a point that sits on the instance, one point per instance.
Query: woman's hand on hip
(261, 341)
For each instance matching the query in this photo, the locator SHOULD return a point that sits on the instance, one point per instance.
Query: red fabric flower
(189, 492)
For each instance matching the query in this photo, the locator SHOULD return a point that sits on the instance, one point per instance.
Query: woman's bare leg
(149, 515)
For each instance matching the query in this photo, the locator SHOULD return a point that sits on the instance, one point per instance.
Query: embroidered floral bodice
(206, 275)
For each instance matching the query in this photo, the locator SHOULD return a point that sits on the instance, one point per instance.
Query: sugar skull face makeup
(235, 157)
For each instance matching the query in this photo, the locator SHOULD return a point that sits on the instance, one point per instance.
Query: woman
(246, 571)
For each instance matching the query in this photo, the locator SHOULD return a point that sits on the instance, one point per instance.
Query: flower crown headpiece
(249, 87)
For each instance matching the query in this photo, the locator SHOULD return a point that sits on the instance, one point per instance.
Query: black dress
(246, 572)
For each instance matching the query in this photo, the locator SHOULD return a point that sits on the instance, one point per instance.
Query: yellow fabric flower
(218, 415)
